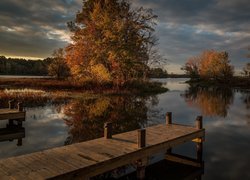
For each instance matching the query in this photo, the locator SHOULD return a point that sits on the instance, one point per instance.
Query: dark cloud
(35, 28)
(185, 27)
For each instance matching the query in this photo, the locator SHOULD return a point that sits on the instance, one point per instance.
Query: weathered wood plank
(20, 116)
(87, 159)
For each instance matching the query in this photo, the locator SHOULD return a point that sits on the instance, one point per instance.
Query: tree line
(17, 66)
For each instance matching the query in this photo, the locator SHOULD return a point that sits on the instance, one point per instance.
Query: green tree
(58, 66)
(111, 41)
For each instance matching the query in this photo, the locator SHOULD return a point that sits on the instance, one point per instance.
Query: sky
(34, 28)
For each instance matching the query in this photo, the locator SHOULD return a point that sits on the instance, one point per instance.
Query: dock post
(20, 106)
(108, 130)
(20, 142)
(199, 124)
(141, 164)
(169, 118)
(11, 104)
(141, 140)
(169, 121)
(199, 144)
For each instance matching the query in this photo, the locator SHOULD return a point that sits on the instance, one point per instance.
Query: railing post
(11, 104)
(141, 138)
(108, 130)
(169, 118)
(20, 106)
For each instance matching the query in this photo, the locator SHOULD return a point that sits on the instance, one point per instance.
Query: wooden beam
(13, 115)
(183, 160)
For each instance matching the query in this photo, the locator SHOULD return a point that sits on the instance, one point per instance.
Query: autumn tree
(110, 41)
(192, 67)
(58, 66)
(246, 70)
(211, 65)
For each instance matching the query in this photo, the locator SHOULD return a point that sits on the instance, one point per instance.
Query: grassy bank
(51, 90)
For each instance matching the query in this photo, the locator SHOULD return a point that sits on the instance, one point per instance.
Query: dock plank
(12, 114)
(97, 156)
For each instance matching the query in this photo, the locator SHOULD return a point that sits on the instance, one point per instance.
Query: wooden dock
(88, 159)
(12, 114)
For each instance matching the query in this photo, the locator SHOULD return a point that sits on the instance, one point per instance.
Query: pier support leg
(169, 121)
(140, 169)
(142, 163)
(20, 142)
(199, 143)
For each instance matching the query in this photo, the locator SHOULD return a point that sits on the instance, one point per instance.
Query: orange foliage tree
(110, 41)
(210, 65)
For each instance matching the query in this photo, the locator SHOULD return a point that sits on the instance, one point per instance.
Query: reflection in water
(86, 117)
(211, 101)
(246, 100)
(12, 132)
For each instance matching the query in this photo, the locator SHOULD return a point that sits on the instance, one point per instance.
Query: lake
(226, 114)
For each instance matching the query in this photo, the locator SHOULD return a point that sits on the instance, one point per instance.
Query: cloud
(185, 28)
(35, 28)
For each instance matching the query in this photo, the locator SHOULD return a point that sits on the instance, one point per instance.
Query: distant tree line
(158, 73)
(17, 66)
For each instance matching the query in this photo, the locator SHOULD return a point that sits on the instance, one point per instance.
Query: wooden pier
(12, 114)
(88, 159)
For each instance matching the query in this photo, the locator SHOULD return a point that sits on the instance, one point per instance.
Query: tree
(246, 70)
(210, 65)
(111, 41)
(58, 66)
(192, 67)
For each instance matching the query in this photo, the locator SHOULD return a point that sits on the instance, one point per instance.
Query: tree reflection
(211, 101)
(86, 117)
(246, 100)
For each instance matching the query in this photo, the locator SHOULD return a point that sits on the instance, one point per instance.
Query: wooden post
(169, 118)
(11, 104)
(20, 106)
(199, 144)
(199, 124)
(140, 172)
(108, 130)
(141, 138)
(169, 121)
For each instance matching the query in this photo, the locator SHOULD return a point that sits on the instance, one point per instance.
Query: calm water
(225, 111)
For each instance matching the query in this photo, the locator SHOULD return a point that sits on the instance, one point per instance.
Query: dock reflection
(12, 132)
